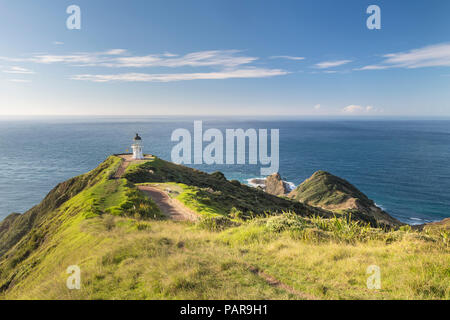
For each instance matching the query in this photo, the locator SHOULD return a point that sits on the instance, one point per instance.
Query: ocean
(402, 165)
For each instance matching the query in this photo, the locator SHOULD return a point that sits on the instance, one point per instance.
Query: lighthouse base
(137, 153)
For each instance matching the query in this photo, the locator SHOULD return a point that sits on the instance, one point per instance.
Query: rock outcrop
(276, 186)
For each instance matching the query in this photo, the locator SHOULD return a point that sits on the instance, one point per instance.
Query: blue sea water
(402, 165)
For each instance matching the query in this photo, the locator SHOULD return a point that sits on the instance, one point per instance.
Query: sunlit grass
(124, 253)
(131, 259)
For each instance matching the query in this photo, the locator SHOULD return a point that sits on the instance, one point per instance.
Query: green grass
(118, 197)
(214, 192)
(326, 189)
(108, 228)
(204, 201)
(333, 193)
(100, 195)
(134, 167)
(131, 259)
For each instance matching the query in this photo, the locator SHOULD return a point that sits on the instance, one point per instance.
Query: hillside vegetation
(246, 245)
(333, 193)
(214, 190)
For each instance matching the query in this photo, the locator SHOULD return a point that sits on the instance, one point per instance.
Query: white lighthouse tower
(137, 148)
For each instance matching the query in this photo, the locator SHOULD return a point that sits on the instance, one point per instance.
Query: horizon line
(277, 116)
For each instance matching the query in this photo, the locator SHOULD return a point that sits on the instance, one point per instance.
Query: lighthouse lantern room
(137, 148)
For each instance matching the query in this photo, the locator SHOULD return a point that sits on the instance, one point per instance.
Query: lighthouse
(137, 148)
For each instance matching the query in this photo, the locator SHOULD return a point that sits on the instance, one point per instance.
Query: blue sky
(314, 58)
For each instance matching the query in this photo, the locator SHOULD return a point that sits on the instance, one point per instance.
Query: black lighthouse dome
(137, 138)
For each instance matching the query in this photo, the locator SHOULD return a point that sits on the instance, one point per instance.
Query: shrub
(216, 223)
(236, 213)
(139, 206)
(445, 236)
(235, 182)
(286, 221)
(109, 222)
(219, 175)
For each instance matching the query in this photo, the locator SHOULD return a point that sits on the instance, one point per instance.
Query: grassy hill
(247, 244)
(333, 193)
(215, 191)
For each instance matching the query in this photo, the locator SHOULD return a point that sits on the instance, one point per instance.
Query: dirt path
(123, 166)
(278, 284)
(127, 160)
(177, 211)
(119, 173)
(170, 207)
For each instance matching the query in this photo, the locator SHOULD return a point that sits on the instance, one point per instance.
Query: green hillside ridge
(215, 191)
(333, 193)
(245, 238)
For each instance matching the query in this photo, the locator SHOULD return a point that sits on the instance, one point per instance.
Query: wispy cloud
(331, 64)
(288, 58)
(171, 77)
(114, 52)
(58, 43)
(317, 107)
(118, 58)
(225, 64)
(224, 58)
(19, 80)
(430, 56)
(373, 67)
(18, 70)
(78, 59)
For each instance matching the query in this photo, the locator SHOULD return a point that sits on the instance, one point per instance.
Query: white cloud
(79, 58)
(224, 58)
(58, 43)
(19, 80)
(332, 64)
(117, 58)
(372, 67)
(317, 107)
(288, 58)
(430, 56)
(356, 109)
(170, 77)
(114, 52)
(18, 70)
(225, 64)
(353, 109)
